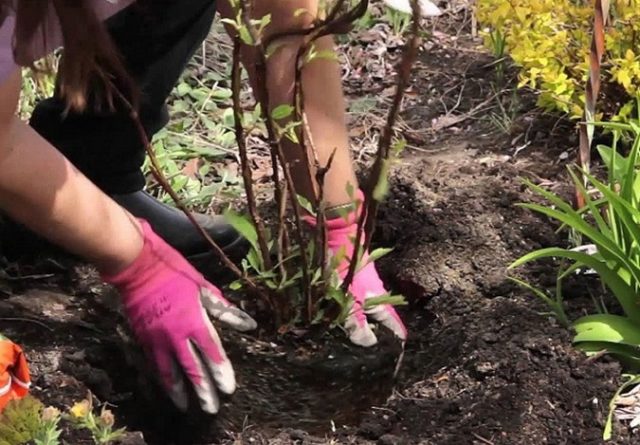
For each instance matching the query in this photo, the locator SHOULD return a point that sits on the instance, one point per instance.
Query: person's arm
(167, 302)
(41, 189)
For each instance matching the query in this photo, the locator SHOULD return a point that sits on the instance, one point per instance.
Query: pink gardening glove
(341, 233)
(168, 304)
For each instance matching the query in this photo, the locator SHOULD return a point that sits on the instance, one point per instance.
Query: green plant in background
(20, 421)
(610, 221)
(399, 21)
(498, 45)
(201, 132)
(81, 416)
(27, 421)
(549, 41)
(37, 85)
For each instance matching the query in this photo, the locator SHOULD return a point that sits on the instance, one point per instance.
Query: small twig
(274, 140)
(482, 439)
(6, 276)
(321, 233)
(27, 320)
(244, 161)
(330, 25)
(283, 235)
(367, 217)
(157, 173)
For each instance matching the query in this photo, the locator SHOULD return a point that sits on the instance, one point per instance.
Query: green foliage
(81, 416)
(287, 275)
(200, 133)
(20, 421)
(27, 421)
(37, 85)
(49, 432)
(610, 221)
(549, 41)
(399, 21)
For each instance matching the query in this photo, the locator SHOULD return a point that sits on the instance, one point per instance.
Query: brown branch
(274, 140)
(321, 233)
(325, 27)
(601, 9)
(283, 235)
(242, 149)
(157, 173)
(366, 221)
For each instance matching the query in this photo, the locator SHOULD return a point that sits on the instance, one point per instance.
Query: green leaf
(627, 184)
(556, 306)
(254, 260)
(282, 111)
(183, 88)
(602, 225)
(607, 328)
(394, 300)
(305, 204)
(612, 159)
(243, 225)
(376, 254)
(231, 22)
(236, 285)
(351, 191)
(604, 244)
(622, 291)
(221, 93)
(621, 207)
(382, 187)
(245, 36)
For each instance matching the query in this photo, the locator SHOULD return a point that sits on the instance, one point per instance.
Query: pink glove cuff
(144, 269)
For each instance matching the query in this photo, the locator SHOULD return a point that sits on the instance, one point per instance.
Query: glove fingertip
(224, 376)
(210, 405)
(178, 396)
(218, 307)
(388, 317)
(238, 320)
(363, 337)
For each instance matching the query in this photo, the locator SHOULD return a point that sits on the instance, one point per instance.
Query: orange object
(15, 379)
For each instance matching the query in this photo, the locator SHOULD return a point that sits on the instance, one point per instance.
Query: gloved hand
(168, 304)
(341, 233)
(15, 379)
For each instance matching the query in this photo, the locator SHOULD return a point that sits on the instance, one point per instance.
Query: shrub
(549, 42)
(610, 221)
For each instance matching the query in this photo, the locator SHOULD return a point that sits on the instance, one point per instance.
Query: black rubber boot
(174, 227)
(171, 224)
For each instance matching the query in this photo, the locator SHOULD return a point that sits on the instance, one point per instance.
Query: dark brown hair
(90, 66)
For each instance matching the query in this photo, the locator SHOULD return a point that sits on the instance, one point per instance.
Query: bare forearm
(324, 102)
(41, 189)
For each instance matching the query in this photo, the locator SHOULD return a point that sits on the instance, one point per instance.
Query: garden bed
(483, 364)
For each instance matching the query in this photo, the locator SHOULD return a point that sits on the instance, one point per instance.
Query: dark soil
(484, 363)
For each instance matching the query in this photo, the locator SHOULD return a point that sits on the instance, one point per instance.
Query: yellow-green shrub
(549, 41)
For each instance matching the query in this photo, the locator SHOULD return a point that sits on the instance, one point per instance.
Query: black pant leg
(156, 38)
